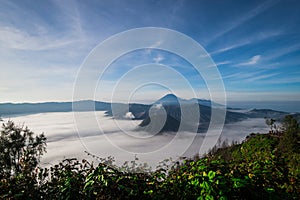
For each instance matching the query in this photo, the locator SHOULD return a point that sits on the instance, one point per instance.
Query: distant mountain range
(166, 110)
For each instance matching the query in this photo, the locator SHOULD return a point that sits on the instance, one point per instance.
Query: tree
(290, 140)
(273, 127)
(20, 149)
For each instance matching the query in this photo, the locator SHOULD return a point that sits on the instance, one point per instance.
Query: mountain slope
(33, 108)
(196, 118)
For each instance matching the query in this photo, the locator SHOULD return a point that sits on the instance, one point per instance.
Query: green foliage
(291, 136)
(258, 168)
(64, 180)
(20, 151)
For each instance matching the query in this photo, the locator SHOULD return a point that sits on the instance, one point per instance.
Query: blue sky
(255, 45)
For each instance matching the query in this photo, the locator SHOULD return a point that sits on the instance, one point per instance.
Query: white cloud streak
(273, 54)
(254, 60)
(257, 76)
(158, 58)
(239, 95)
(249, 39)
(231, 47)
(248, 16)
(11, 37)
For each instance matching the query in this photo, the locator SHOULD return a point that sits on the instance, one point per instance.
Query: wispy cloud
(223, 63)
(43, 44)
(240, 75)
(250, 76)
(156, 44)
(261, 77)
(248, 16)
(14, 38)
(287, 79)
(38, 33)
(158, 58)
(69, 12)
(246, 40)
(254, 60)
(262, 96)
(228, 48)
(218, 64)
(273, 54)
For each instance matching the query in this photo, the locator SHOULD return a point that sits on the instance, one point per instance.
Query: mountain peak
(169, 99)
(169, 96)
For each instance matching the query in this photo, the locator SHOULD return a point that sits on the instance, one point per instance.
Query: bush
(20, 151)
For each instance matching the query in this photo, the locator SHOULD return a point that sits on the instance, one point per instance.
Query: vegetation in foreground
(264, 166)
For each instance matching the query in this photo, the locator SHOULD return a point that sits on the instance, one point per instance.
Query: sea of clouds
(72, 134)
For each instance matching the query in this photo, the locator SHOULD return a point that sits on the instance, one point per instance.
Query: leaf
(211, 174)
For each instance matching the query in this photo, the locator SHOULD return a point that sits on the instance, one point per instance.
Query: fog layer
(104, 136)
